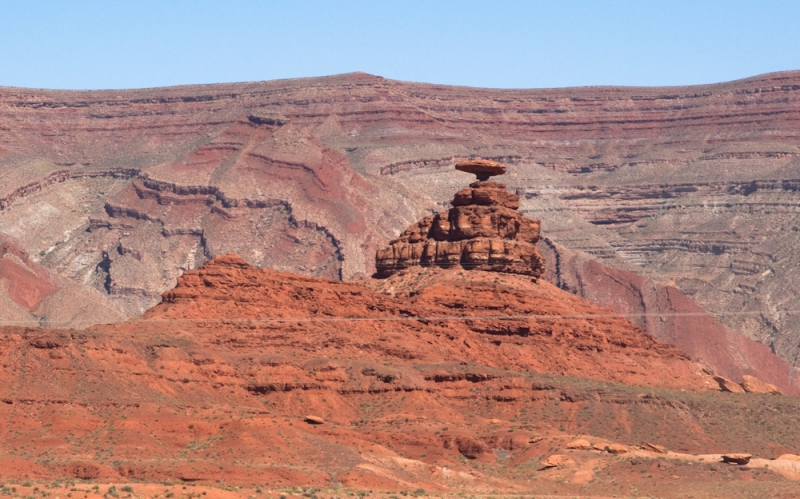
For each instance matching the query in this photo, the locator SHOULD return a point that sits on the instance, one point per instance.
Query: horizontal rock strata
(696, 186)
(483, 231)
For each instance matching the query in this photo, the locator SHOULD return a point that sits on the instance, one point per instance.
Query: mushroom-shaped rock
(484, 230)
(482, 168)
(737, 458)
(310, 419)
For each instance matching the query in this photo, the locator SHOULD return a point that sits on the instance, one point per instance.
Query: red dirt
(228, 289)
(25, 282)
(215, 384)
(24, 287)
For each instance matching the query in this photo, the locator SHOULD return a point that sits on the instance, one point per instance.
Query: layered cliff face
(115, 193)
(485, 231)
(670, 315)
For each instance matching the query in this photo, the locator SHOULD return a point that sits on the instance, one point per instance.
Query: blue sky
(502, 44)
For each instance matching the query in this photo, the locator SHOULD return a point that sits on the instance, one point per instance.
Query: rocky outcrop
(737, 458)
(341, 377)
(668, 314)
(727, 385)
(658, 449)
(555, 461)
(579, 444)
(617, 449)
(482, 231)
(694, 186)
(751, 384)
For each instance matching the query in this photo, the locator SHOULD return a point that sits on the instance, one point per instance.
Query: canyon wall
(113, 194)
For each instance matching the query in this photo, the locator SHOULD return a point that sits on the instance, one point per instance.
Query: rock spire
(484, 230)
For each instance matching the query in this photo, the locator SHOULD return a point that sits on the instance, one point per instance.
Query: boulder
(580, 444)
(482, 168)
(737, 458)
(751, 384)
(466, 446)
(727, 385)
(314, 419)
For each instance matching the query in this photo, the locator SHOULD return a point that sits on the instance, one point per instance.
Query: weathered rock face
(737, 458)
(669, 315)
(241, 374)
(727, 385)
(483, 231)
(693, 186)
(751, 384)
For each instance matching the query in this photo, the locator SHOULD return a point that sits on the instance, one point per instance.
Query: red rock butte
(694, 186)
(243, 375)
(484, 230)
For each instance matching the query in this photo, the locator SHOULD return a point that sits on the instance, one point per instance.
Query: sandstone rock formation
(215, 383)
(737, 458)
(580, 444)
(482, 231)
(751, 384)
(616, 449)
(658, 449)
(466, 446)
(556, 460)
(727, 385)
(482, 168)
(115, 193)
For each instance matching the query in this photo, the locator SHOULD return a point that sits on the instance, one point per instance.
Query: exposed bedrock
(694, 187)
(669, 315)
(482, 231)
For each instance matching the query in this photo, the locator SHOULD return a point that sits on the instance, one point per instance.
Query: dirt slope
(215, 383)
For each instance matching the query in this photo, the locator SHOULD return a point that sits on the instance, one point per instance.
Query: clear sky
(84, 44)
